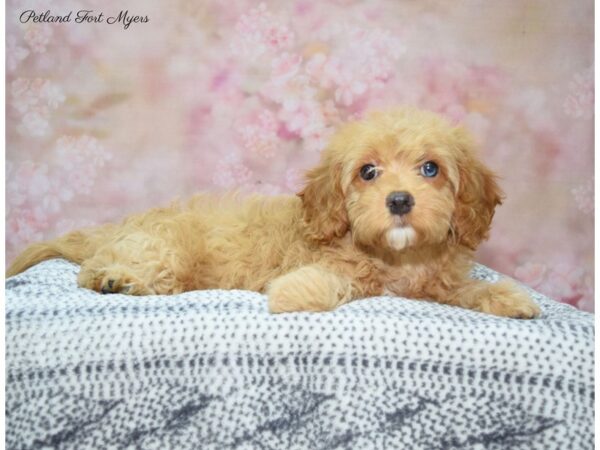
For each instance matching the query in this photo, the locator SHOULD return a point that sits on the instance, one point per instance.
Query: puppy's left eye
(429, 169)
(368, 172)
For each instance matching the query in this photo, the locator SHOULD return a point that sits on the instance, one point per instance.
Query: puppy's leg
(504, 299)
(310, 288)
(137, 264)
(107, 276)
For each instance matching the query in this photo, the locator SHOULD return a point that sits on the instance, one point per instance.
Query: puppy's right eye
(368, 172)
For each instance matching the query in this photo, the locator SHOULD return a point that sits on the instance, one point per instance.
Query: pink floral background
(103, 121)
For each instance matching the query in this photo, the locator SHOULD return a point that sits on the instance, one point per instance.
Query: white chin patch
(401, 237)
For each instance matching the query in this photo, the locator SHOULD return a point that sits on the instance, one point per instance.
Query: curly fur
(335, 242)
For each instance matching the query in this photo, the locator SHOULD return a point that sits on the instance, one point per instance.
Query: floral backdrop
(104, 119)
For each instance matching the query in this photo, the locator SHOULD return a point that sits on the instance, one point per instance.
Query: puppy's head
(397, 180)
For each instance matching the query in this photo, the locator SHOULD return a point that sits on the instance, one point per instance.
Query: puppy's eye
(429, 169)
(368, 172)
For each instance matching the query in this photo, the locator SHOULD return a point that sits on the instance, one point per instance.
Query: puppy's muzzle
(399, 203)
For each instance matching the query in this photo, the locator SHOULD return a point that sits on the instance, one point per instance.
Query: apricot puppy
(397, 205)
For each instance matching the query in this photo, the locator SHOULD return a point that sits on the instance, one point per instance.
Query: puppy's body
(237, 243)
(344, 237)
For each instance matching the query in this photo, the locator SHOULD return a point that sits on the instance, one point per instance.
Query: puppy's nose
(400, 203)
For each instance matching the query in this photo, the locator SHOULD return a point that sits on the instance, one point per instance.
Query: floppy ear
(477, 195)
(325, 216)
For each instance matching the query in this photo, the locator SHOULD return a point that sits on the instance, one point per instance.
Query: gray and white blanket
(214, 370)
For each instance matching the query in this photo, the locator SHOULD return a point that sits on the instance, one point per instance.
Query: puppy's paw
(282, 300)
(289, 293)
(115, 279)
(506, 299)
(309, 288)
(121, 283)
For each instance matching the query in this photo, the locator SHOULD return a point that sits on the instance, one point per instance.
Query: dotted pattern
(213, 370)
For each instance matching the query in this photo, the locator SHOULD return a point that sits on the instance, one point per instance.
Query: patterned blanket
(214, 370)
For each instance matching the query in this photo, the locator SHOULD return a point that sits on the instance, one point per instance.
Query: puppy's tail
(75, 246)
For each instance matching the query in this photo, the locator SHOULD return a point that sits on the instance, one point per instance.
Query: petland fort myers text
(82, 16)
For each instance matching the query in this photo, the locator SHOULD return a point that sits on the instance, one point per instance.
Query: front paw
(280, 301)
(309, 288)
(506, 299)
(289, 294)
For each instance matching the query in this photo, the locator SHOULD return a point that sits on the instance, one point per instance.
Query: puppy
(397, 206)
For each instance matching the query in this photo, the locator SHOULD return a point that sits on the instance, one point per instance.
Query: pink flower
(33, 99)
(331, 113)
(259, 142)
(80, 160)
(360, 60)
(349, 90)
(24, 228)
(22, 96)
(16, 182)
(260, 135)
(38, 185)
(35, 124)
(285, 66)
(74, 152)
(38, 36)
(315, 66)
(580, 102)
(315, 144)
(316, 136)
(260, 31)
(14, 53)
(230, 173)
(52, 94)
(584, 197)
(455, 89)
(299, 107)
(289, 93)
(297, 117)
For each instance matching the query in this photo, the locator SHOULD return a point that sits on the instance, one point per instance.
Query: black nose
(400, 203)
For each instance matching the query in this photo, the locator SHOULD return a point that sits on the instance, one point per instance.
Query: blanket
(214, 370)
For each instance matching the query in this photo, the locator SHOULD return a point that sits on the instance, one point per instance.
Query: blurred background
(103, 121)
